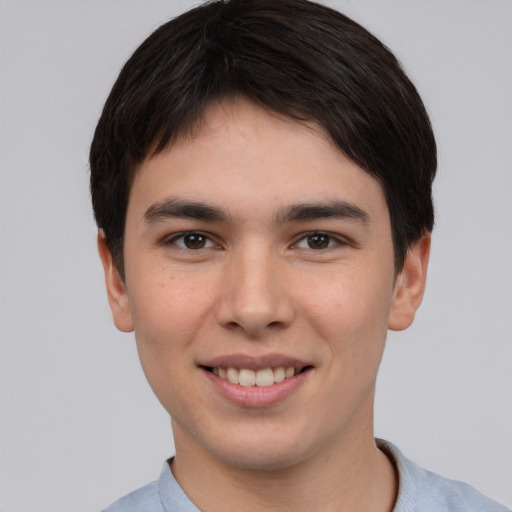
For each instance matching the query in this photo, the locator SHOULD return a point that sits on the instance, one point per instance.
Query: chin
(262, 454)
(261, 461)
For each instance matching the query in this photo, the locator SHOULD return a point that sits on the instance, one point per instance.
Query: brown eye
(194, 241)
(318, 241)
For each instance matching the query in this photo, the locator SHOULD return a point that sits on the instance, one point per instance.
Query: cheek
(167, 313)
(167, 300)
(350, 317)
(349, 304)
(167, 317)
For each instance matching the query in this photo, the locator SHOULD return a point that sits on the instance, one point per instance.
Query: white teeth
(265, 377)
(247, 377)
(233, 375)
(279, 374)
(260, 378)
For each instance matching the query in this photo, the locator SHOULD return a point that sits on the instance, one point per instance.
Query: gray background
(79, 426)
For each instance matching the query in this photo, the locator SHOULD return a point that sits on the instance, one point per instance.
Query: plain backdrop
(79, 426)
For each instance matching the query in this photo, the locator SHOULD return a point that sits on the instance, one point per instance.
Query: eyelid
(172, 240)
(337, 239)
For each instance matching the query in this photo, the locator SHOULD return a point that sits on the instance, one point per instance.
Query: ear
(410, 285)
(116, 289)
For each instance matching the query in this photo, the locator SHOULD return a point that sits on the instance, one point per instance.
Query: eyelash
(183, 236)
(208, 243)
(332, 241)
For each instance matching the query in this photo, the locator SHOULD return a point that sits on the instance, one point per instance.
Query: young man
(261, 177)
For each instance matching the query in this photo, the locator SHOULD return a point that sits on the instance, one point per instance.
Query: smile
(256, 382)
(261, 378)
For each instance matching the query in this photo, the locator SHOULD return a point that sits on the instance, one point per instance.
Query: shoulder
(146, 498)
(441, 493)
(423, 491)
(163, 495)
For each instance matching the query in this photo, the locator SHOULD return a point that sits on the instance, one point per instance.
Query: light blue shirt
(419, 491)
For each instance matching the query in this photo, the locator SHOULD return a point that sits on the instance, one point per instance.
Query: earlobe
(410, 285)
(116, 289)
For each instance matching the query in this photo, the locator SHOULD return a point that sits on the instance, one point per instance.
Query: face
(260, 284)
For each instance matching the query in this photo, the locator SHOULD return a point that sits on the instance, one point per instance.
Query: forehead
(243, 155)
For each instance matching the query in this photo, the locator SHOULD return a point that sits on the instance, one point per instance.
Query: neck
(352, 475)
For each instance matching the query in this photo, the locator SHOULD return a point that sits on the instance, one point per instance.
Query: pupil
(318, 241)
(194, 241)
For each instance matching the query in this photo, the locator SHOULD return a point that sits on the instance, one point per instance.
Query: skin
(258, 284)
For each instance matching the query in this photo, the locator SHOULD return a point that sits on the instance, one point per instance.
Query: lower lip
(254, 397)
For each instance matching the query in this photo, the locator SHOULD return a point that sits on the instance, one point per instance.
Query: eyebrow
(174, 208)
(331, 209)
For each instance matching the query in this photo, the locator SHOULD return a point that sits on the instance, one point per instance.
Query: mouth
(247, 377)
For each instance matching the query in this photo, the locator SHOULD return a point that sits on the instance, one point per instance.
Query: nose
(255, 296)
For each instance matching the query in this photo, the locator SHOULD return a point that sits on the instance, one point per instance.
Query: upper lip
(252, 362)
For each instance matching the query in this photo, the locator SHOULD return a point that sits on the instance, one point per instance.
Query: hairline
(189, 129)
